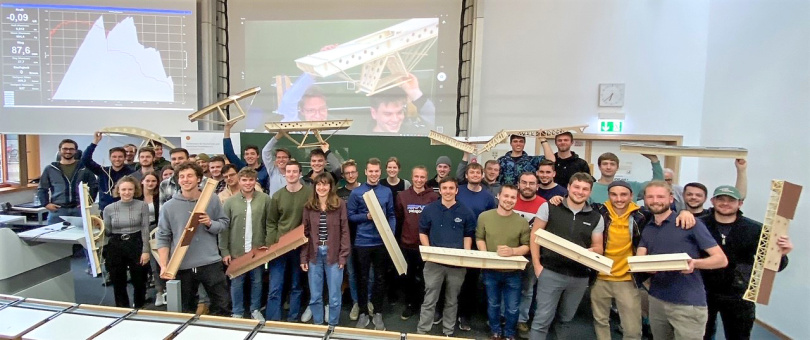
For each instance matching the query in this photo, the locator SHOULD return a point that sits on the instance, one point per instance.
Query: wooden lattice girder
(93, 230)
(188, 231)
(308, 127)
(684, 151)
(137, 132)
(439, 138)
(472, 258)
(220, 106)
(381, 222)
(573, 251)
(780, 210)
(259, 256)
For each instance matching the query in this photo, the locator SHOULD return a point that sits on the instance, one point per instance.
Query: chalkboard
(411, 151)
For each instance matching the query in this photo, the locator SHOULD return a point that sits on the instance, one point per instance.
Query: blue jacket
(107, 177)
(227, 147)
(64, 191)
(367, 234)
(511, 170)
(447, 227)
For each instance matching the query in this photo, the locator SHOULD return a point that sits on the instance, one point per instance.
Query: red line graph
(107, 32)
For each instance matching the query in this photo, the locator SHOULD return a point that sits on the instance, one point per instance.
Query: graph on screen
(76, 56)
(115, 66)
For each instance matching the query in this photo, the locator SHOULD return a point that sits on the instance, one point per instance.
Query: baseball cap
(727, 190)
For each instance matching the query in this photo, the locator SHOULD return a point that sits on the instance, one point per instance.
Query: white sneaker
(236, 316)
(307, 315)
(160, 300)
(257, 315)
(355, 313)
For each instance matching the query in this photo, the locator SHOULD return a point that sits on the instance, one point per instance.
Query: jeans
(238, 291)
(527, 293)
(504, 285)
(371, 261)
(279, 267)
(334, 279)
(351, 264)
(738, 317)
(560, 295)
(55, 216)
(212, 278)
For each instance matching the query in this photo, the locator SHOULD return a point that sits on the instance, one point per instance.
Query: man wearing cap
(738, 236)
(624, 222)
(443, 165)
(677, 299)
(695, 194)
(202, 161)
(517, 161)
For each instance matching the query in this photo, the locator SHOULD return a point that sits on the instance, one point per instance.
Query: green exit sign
(611, 125)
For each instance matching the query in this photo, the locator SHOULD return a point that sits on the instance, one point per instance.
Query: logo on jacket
(415, 208)
(457, 220)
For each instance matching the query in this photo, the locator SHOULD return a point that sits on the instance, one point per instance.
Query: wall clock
(611, 94)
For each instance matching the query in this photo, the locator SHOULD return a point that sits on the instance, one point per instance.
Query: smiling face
(448, 191)
(292, 174)
(563, 143)
(657, 199)
(117, 159)
(158, 151)
(392, 169)
(419, 178)
(247, 184)
(130, 153)
(188, 180)
(67, 151)
(608, 168)
(149, 183)
(726, 205)
(620, 197)
(517, 144)
(323, 189)
(474, 176)
(507, 198)
(388, 117)
(527, 184)
(281, 159)
(350, 174)
(694, 197)
(373, 174)
(546, 174)
(126, 190)
(314, 109)
(251, 156)
(317, 163)
(492, 171)
(215, 168)
(579, 191)
(442, 170)
(178, 158)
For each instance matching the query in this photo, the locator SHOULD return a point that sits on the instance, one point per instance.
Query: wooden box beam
(574, 252)
(472, 258)
(257, 257)
(188, 232)
(658, 263)
(381, 222)
(684, 151)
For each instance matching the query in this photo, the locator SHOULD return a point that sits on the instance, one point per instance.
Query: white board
(138, 330)
(200, 332)
(66, 326)
(15, 321)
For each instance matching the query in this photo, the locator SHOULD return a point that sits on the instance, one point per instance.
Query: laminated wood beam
(381, 222)
(188, 232)
(683, 151)
(471, 258)
(574, 252)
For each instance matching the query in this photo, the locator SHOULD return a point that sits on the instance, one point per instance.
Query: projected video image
(383, 74)
(76, 56)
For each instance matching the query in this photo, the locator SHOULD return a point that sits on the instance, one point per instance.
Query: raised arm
(227, 147)
(461, 171)
(657, 170)
(547, 152)
(742, 177)
(267, 153)
(87, 156)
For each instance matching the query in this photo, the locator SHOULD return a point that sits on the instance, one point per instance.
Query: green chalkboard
(411, 151)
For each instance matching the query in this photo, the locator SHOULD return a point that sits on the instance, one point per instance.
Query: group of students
(495, 207)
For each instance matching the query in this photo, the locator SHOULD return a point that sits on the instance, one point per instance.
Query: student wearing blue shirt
(547, 188)
(677, 299)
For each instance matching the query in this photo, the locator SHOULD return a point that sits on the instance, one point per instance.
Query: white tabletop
(271, 336)
(11, 219)
(15, 320)
(66, 326)
(136, 330)
(55, 233)
(200, 332)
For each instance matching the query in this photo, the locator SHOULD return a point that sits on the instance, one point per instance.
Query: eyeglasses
(314, 111)
(528, 183)
(350, 173)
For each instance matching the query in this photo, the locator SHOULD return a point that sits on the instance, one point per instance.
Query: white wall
(543, 62)
(758, 97)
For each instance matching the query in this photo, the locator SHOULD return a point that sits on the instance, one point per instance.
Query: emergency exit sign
(611, 125)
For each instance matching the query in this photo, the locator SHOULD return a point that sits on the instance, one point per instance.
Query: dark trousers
(122, 254)
(468, 302)
(413, 284)
(212, 278)
(368, 257)
(738, 317)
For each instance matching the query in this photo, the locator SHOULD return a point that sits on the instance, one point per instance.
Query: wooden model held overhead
(684, 151)
(188, 232)
(93, 230)
(471, 258)
(574, 252)
(468, 144)
(658, 263)
(381, 222)
(259, 256)
(147, 135)
(780, 210)
(309, 127)
(220, 106)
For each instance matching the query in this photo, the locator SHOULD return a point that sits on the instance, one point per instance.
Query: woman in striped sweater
(127, 229)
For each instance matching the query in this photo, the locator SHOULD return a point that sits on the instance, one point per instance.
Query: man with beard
(107, 175)
(527, 205)
(474, 197)
(506, 233)
(561, 282)
(445, 223)
(368, 245)
(129, 159)
(608, 164)
(443, 165)
(694, 194)
(318, 162)
(548, 188)
(677, 299)
(160, 162)
(58, 189)
(201, 266)
(738, 237)
(275, 166)
(286, 213)
(408, 208)
(567, 162)
(170, 186)
(251, 156)
(491, 172)
(146, 163)
(517, 161)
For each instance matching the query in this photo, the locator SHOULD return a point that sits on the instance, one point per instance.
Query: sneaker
(378, 322)
(202, 309)
(307, 315)
(160, 299)
(362, 321)
(257, 315)
(437, 318)
(370, 308)
(355, 312)
(236, 316)
(407, 313)
(523, 329)
(495, 337)
(463, 324)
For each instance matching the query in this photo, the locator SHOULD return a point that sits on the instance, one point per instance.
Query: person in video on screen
(390, 114)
